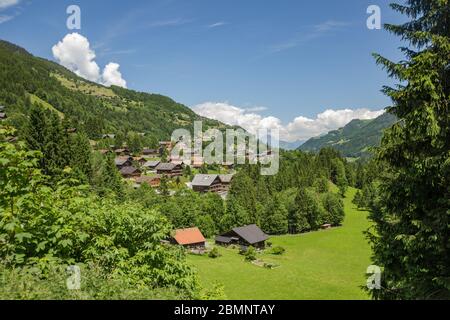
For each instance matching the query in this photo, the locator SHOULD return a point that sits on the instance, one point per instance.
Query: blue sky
(279, 60)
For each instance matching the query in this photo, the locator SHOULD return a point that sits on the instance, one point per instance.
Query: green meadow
(328, 264)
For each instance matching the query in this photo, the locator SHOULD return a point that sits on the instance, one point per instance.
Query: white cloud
(8, 3)
(5, 18)
(315, 32)
(112, 76)
(74, 52)
(217, 24)
(301, 128)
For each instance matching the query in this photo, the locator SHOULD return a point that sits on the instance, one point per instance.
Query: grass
(45, 105)
(85, 87)
(329, 264)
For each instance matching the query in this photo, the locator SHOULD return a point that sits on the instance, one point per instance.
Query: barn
(246, 236)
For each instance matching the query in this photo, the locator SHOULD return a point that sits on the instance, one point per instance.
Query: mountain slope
(355, 139)
(85, 105)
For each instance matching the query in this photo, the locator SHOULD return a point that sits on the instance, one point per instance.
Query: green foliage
(250, 254)
(334, 209)
(33, 283)
(89, 107)
(278, 250)
(214, 253)
(217, 292)
(411, 233)
(67, 224)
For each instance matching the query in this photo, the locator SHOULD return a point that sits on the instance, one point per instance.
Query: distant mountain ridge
(355, 139)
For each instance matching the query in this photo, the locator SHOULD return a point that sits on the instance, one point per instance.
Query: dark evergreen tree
(412, 229)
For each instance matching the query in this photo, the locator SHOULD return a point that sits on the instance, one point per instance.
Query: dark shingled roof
(226, 178)
(166, 166)
(151, 164)
(120, 161)
(204, 180)
(252, 234)
(223, 239)
(128, 170)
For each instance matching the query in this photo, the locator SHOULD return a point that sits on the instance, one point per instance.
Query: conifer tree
(412, 229)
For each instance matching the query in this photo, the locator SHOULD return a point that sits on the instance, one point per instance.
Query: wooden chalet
(153, 182)
(226, 180)
(207, 183)
(150, 152)
(246, 236)
(124, 161)
(190, 238)
(212, 183)
(151, 165)
(130, 172)
(122, 151)
(169, 169)
(197, 162)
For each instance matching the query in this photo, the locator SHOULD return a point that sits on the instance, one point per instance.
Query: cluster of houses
(245, 237)
(145, 169)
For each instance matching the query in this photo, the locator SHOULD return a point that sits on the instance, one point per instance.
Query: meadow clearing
(327, 264)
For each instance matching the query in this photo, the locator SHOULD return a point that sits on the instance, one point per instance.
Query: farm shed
(250, 235)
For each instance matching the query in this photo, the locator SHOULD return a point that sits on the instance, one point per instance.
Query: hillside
(355, 139)
(85, 105)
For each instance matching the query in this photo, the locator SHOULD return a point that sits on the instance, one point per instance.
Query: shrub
(250, 255)
(278, 251)
(214, 253)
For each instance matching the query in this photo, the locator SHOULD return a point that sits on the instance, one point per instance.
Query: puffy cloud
(300, 128)
(8, 3)
(74, 52)
(112, 76)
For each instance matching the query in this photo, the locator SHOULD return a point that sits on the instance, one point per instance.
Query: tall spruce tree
(411, 236)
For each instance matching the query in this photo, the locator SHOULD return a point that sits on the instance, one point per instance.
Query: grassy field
(328, 264)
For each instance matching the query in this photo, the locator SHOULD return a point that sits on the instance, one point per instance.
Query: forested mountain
(355, 139)
(87, 106)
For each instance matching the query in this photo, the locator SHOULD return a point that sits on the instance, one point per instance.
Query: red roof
(188, 236)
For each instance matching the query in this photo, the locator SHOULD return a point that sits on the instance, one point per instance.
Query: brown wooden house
(207, 183)
(150, 152)
(226, 180)
(190, 238)
(170, 169)
(153, 182)
(122, 152)
(124, 161)
(130, 172)
(246, 236)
